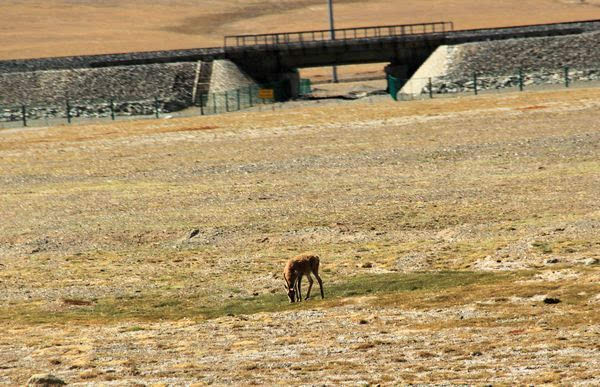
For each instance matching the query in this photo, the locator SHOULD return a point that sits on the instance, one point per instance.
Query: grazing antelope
(296, 267)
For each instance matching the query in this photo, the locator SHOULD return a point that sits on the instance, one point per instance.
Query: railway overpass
(405, 47)
(277, 56)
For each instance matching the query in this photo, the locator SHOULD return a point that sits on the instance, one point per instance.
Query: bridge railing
(300, 37)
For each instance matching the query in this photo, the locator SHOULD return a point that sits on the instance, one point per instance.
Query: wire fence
(100, 110)
(475, 84)
(239, 99)
(89, 110)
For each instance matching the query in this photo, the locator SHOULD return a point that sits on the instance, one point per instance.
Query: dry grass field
(444, 227)
(36, 28)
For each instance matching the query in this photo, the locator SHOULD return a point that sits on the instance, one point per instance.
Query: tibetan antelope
(301, 265)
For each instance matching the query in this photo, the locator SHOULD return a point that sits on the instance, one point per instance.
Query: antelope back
(305, 263)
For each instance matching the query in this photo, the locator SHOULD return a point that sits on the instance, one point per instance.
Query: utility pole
(335, 77)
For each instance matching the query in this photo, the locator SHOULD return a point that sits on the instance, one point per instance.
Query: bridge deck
(374, 32)
(442, 29)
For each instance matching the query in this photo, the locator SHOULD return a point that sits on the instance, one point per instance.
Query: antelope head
(291, 292)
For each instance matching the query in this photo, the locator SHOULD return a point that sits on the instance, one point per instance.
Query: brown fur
(301, 265)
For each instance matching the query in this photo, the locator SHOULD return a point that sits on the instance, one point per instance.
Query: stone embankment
(89, 91)
(121, 90)
(540, 60)
(132, 80)
(119, 83)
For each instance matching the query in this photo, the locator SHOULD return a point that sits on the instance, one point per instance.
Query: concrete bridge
(276, 56)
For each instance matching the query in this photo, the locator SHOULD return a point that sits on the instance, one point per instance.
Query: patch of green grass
(153, 307)
(362, 285)
(571, 246)
(422, 281)
(545, 247)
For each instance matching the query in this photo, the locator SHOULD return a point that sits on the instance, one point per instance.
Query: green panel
(393, 87)
(305, 87)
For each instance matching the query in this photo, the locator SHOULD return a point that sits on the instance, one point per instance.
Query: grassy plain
(35, 28)
(442, 226)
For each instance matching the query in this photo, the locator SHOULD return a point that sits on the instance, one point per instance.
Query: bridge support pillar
(286, 83)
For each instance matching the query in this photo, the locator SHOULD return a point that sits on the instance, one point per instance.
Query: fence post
(475, 83)
(201, 103)
(430, 88)
(250, 95)
(238, 100)
(214, 104)
(156, 102)
(112, 109)
(68, 112)
(520, 79)
(226, 101)
(24, 114)
(566, 76)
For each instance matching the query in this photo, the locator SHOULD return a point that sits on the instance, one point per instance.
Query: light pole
(335, 77)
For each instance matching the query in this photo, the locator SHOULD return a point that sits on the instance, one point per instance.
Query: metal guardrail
(338, 34)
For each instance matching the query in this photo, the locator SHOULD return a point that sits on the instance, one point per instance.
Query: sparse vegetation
(156, 307)
(439, 234)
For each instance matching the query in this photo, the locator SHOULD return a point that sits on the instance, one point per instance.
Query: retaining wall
(226, 75)
(541, 61)
(133, 89)
(506, 56)
(133, 80)
(230, 87)
(171, 81)
(434, 66)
